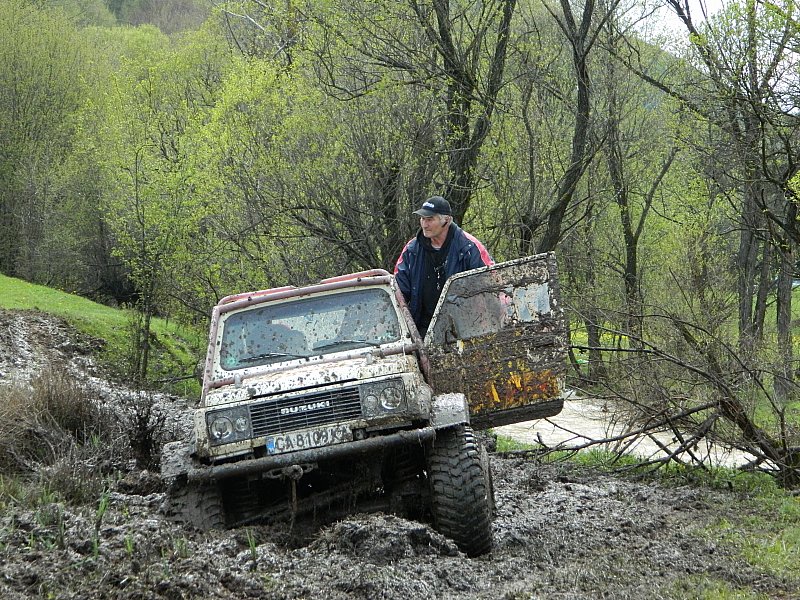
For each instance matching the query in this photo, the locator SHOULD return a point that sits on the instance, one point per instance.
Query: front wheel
(198, 505)
(461, 500)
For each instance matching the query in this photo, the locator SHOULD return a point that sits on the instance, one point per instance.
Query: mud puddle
(560, 532)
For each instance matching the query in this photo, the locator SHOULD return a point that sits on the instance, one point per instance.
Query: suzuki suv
(323, 400)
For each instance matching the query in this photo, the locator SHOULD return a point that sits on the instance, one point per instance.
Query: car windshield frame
(299, 329)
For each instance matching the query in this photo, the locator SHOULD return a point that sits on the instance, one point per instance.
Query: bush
(145, 427)
(54, 428)
(69, 407)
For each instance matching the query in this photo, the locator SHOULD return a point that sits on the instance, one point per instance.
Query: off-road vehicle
(323, 400)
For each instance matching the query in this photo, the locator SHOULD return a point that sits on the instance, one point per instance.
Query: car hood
(311, 376)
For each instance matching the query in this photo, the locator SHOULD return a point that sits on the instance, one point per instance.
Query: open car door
(498, 336)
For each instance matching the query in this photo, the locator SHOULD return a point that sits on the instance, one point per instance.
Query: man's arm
(478, 255)
(402, 275)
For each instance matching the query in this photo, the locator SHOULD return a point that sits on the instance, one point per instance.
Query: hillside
(561, 531)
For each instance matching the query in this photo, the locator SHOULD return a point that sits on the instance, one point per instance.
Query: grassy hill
(175, 348)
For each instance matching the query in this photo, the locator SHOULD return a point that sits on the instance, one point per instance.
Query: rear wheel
(461, 501)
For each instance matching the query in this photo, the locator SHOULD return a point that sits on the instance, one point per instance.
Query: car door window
(498, 335)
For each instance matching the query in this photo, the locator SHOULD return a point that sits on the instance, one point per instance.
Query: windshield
(302, 328)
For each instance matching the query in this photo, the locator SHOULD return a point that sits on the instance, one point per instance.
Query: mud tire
(486, 467)
(461, 502)
(198, 505)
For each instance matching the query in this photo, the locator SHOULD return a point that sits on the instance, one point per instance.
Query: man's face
(433, 227)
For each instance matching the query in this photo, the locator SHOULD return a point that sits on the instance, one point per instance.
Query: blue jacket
(466, 252)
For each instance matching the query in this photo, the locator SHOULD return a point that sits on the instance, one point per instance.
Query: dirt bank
(560, 532)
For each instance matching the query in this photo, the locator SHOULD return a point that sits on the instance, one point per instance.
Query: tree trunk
(784, 373)
(747, 263)
(578, 37)
(630, 267)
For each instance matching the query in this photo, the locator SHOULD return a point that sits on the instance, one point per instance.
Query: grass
(508, 444)
(706, 588)
(592, 457)
(177, 348)
(53, 436)
(768, 535)
(89, 317)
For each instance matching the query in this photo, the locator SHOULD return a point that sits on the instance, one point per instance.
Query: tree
(745, 85)
(170, 16)
(459, 51)
(141, 145)
(40, 91)
(632, 144)
(690, 371)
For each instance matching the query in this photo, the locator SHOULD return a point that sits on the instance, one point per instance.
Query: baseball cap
(435, 205)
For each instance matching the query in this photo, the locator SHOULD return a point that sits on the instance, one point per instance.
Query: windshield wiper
(264, 355)
(327, 345)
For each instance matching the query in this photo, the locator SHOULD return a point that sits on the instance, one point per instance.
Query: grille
(312, 410)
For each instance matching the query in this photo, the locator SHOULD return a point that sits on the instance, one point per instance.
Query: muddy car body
(323, 400)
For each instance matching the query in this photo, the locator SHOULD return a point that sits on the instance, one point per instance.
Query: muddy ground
(560, 532)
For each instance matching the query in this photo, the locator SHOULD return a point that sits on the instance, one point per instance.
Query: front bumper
(269, 463)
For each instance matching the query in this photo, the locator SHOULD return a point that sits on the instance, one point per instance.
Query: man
(440, 249)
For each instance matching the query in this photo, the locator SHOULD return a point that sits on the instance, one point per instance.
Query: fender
(176, 460)
(448, 410)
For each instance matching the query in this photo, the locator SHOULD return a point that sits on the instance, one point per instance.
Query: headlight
(228, 425)
(371, 404)
(221, 429)
(391, 398)
(383, 397)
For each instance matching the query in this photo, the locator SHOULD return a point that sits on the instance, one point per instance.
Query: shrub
(70, 407)
(145, 426)
(54, 428)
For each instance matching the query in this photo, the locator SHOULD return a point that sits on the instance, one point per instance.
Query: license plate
(309, 438)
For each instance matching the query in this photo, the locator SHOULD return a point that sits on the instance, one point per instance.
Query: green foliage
(273, 152)
(40, 91)
(141, 137)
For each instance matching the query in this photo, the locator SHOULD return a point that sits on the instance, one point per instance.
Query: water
(583, 420)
